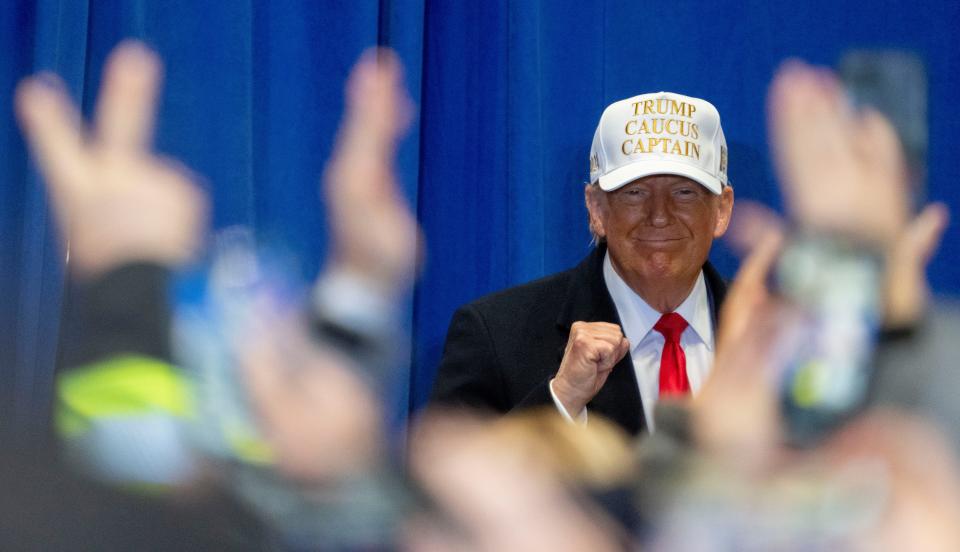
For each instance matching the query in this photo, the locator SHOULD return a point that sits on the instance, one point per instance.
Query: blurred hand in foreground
(905, 289)
(310, 398)
(500, 491)
(114, 200)
(922, 482)
(374, 232)
(321, 419)
(916, 473)
(842, 172)
(752, 321)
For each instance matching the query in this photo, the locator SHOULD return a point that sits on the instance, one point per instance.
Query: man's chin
(657, 265)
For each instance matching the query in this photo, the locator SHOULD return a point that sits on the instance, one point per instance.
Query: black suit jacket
(503, 349)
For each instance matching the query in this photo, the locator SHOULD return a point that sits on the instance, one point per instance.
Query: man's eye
(634, 195)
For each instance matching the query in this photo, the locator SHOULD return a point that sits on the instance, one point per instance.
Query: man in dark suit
(635, 320)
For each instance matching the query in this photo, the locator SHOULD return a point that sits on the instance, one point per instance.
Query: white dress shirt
(646, 344)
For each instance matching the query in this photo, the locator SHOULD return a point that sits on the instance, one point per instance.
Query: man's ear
(592, 197)
(724, 211)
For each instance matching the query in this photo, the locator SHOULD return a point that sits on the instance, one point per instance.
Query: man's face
(659, 228)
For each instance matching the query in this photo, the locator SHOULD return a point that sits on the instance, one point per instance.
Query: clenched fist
(593, 349)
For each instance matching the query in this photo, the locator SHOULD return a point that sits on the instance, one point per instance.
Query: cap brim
(624, 175)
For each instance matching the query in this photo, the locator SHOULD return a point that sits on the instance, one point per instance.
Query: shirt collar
(638, 318)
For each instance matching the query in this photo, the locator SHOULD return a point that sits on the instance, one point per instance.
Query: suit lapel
(716, 290)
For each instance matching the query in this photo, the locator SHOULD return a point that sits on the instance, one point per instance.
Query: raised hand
(310, 399)
(505, 489)
(593, 349)
(321, 419)
(841, 171)
(114, 200)
(374, 232)
(752, 320)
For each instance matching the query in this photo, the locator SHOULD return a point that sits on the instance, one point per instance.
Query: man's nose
(660, 213)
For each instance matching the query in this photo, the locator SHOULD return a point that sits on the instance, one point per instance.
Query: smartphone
(826, 356)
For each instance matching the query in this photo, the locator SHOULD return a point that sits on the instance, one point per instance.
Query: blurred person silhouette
(127, 217)
(127, 414)
(314, 386)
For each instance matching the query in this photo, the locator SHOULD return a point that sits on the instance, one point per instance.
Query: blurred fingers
(751, 222)
(126, 107)
(923, 234)
(748, 291)
(360, 179)
(798, 101)
(378, 109)
(811, 130)
(53, 129)
(756, 268)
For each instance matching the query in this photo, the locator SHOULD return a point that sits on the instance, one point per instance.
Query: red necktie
(673, 363)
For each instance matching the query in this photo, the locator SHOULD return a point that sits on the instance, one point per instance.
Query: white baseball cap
(660, 133)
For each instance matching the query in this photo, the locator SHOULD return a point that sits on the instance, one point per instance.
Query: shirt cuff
(580, 418)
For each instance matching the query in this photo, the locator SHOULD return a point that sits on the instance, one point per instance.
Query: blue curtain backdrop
(508, 95)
